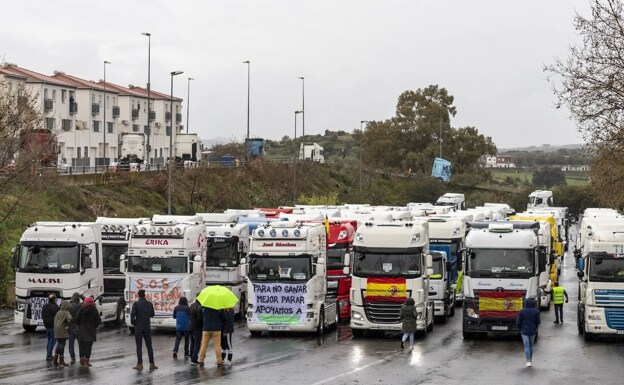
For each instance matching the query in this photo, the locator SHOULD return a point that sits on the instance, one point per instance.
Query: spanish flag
(500, 304)
(385, 290)
(326, 223)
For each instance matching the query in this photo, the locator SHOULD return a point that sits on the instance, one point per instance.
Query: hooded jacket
(75, 306)
(528, 318)
(62, 320)
(48, 311)
(181, 314)
(228, 321)
(408, 315)
(196, 317)
(87, 319)
(212, 319)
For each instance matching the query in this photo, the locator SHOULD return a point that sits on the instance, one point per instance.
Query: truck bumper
(359, 321)
(156, 322)
(308, 326)
(491, 325)
(595, 319)
(438, 307)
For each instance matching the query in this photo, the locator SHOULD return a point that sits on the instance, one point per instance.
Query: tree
(549, 177)
(591, 80)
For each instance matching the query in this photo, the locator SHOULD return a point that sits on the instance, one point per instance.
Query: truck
(131, 151)
(540, 198)
(456, 200)
(187, 148)
(167, 258)
(341, 235)
(286, 273)
(115, 237)
(60, 258)
(256, 147)
(227, 244)
(447, 235)
(312, 152)
(601, 282)
(391, 263)
(504, 265)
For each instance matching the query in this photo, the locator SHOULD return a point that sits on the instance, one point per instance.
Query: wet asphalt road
(561, 357)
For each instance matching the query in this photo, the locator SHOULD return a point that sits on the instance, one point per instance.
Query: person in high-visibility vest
(557, 294)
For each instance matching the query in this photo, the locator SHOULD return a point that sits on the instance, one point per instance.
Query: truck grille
(607, 297)
(383, 312)
(615, 318)
(332, 293)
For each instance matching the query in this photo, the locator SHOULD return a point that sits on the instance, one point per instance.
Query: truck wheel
(430, 326)
(119, 315)
(422, 334)
(320, 329)
(587, 336)
(453, 305)
(30, 328)
(468, 335)
(255, 333)
(579, 324)
(242, 308)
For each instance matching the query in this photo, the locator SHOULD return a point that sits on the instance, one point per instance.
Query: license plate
(278, 327)
(620, 332)
(386, 328)
(499, 328)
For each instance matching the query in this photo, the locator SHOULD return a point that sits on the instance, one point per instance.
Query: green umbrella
(217, 297)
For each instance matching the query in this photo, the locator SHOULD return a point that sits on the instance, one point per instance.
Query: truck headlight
(249, 314)
(343, 302)
(470, 312)
(20, 306)
(594, 317)
(310, 314)
(357, 316)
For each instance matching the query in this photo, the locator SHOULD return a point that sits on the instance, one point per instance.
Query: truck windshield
(222, 254)
(272, 268)
(501, 263)
(605, 267)
(111, 258)
(336, 255)
(174, 265)
(386, 264)
(49, 258)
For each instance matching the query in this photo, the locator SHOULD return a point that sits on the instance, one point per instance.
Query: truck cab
(441, 289)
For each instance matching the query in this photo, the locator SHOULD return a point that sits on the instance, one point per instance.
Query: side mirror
(347, 260)
(473, 255)
(581, 265)
(428, 261)
(429, 272)
(243, 261)
(320, 267)
(87, 251)
(14, 257)
(346, 270)
(541, 261)
(580, 274)
(87, 263)
(543, 279)
(122, 265)
(449, 266)
(197, 265)
(244, 267)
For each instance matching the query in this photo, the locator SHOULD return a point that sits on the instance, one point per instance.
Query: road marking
(383, 360)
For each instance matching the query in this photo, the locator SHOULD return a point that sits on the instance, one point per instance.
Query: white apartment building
(74, 109)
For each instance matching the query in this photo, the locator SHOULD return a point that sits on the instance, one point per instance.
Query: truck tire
(430, 326)
(468, 335)
(422, 334)
(30, 328)
(453, 305)
(587, 336)
(242, 307)
(255, 333)
(320, 329)
(120, 315)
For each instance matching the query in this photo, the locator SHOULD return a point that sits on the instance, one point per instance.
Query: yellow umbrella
(217, 297)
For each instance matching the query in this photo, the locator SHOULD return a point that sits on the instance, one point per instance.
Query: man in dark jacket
(211, 331)
(73, 329)
(48, 311)
(142, 311)
(181, 314)
(196, 326)
(528, 320)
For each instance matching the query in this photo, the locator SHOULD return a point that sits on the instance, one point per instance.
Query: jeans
(51, 341)
(60, 346)
(73, 336)
(528, 346)
(411, 338)
(559, 312)
(196, 338)
(216, 341)
(176, 345)
(139, 336)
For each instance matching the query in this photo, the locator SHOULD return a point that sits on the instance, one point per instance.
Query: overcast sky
(357, 57)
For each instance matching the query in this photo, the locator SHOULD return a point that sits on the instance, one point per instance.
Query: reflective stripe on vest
(558, 295)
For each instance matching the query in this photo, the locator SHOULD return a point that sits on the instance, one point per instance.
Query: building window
(78, 152)
(135, 128)
(49, 123)
(67, 125)
(92, 98)
(86, 151)
(10, 85)
(63, 95)
(168, 131)
(45, 93)
(110, 127)
(96, 126)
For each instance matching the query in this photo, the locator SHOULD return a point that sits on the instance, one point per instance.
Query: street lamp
(297, 112)
(361, 148)
(188, 103)
(248, 78)
(104, 120)
(149, 128)
(303, 103)
(174, 73)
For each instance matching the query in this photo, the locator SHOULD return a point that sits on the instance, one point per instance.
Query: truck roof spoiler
(517, 225)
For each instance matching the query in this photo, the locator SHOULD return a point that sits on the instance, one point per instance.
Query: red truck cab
(340, 244)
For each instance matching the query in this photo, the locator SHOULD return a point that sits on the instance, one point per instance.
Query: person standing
(181, 314)
(62, 320)
(528, 320)
(227, 329)
(196, 326)
(48, 311)
(211, 331)
(557, 294)
(87, 320)
(408, 317)
(73, 328)
(140, 315)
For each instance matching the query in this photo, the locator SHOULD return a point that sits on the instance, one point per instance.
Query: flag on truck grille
(500, 304)
(385, 290)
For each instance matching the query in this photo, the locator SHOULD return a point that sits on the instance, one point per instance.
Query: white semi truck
(286, 274)
(227, 244)
(60, 258)
(601, 286)
(391, 263)
(504, 265)
(167, 258)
